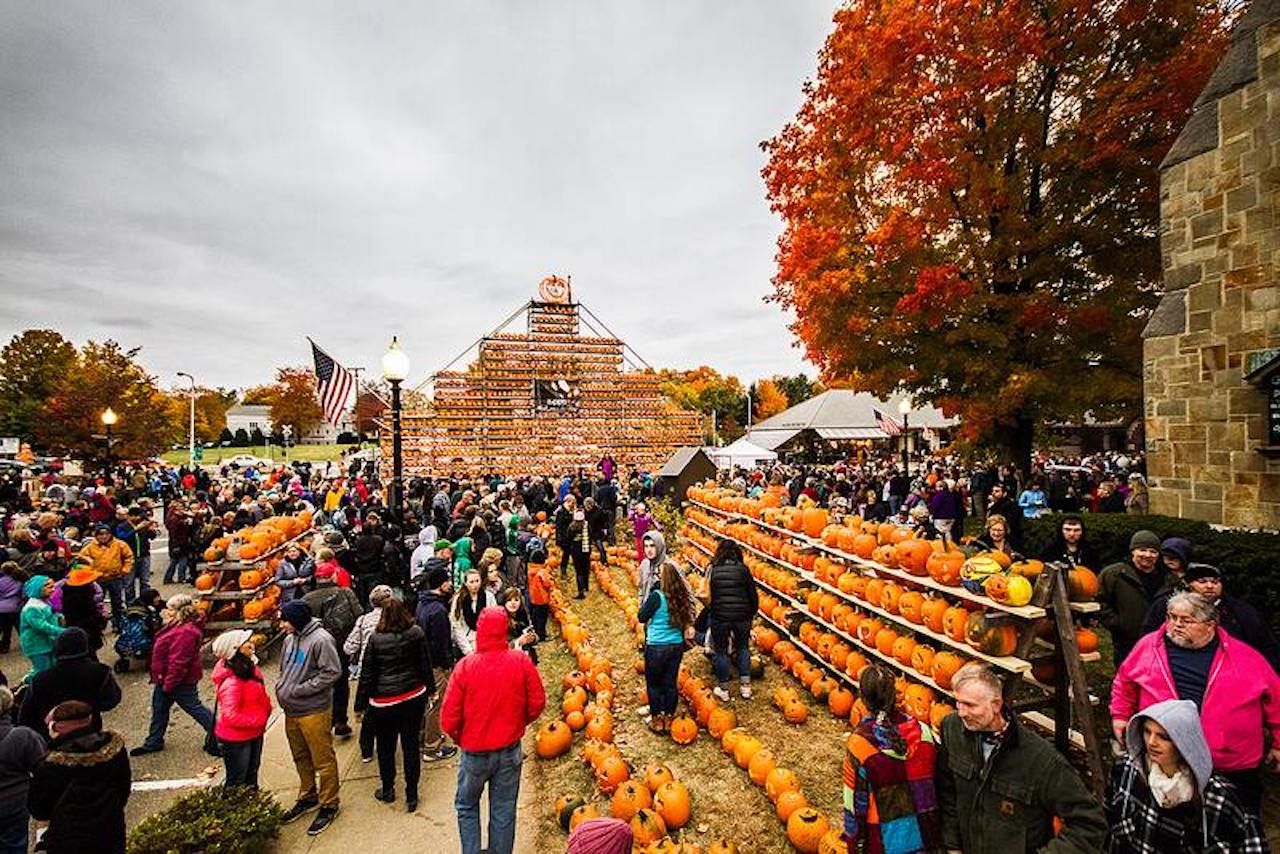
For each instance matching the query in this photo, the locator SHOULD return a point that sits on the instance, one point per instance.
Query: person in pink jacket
(175, 672)
(1237, 692)
(243, 707)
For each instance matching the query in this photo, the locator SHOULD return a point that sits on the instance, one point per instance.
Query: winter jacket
(175, 656)
(494, 694)
(21, 750)
(309, 667)
(366, 625)
(81, 605)
(1240, 619)
(1084, 555)
(81, 789)
(77, 678)
(1241, 697)
(432, 614)
(419, 561)
(1137, 824)
(293, 577)
(11, 595)
(891, 805)
(368, 552)
(1125, 603)
(114, 560)
(944, 504)
(395, 664)
(38, 626)
(1007, 803)
(337, 609)
(734, 598)
(243, 704)
(540, 584)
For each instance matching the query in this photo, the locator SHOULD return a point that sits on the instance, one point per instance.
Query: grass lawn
(313, 453)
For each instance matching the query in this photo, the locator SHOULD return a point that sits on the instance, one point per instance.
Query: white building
(249, 417)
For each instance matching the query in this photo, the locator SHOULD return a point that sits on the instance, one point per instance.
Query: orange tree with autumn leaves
(970, 198)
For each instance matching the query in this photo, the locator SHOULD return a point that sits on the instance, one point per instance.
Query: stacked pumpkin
(578, 710)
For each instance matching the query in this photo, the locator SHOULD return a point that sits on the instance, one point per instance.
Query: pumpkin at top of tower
(554, 289)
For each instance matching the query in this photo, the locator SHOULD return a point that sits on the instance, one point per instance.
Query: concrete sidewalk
(366, 826)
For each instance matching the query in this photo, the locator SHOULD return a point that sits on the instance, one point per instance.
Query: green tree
(32, 366)
(799, 388)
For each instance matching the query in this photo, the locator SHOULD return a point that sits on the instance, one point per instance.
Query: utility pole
(191, 433)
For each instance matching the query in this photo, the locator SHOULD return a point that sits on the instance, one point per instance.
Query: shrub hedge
(214, 820)
(1250, 561)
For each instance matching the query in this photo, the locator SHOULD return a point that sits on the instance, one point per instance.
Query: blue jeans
(661, 669)
(187, 698)
(500, 769)
(177, 568)
(13, 833)
(721, 633)
(141, 578)
(242, 760)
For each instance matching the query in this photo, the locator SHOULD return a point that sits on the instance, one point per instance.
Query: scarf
(1170, 791)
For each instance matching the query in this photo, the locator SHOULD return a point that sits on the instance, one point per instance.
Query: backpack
(338, 612)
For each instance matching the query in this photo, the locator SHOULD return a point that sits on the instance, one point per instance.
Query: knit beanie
(1144, 540)
(601, 836)
(296, 613)
(72, 643)
(436, 577)
(225, 645)
(380, 595)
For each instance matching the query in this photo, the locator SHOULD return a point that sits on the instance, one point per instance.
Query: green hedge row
(1250, 561)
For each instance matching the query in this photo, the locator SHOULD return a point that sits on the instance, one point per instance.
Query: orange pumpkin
(890, 595)
(575, 699)
(656, 775)
(795, 713)
(684, 730)
(955, 623)
(554, 739)
(611, 773)
(1086, 640)
(840, 702)
(564, 807)
(790, 801)
(745, 750)
(586, 812)
(780, 780)
(863, 545)
(814, 520)
(944, 567)
(917, 700)
(910, 605)
(671, 801)
(945, 665)
(205, 581)
(805, 829)
(932, 612)
(760, 766)
(575, 720)
(601, 726)
(922, 659)
(1082, 584)
(646, 827)
(720, 721)
(629, 799)
(903, 648)
(913, 556)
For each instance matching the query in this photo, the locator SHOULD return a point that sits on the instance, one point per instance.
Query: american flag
(886, 424)
(334, 384)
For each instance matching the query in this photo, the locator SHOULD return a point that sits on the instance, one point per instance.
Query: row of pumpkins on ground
(990, 573)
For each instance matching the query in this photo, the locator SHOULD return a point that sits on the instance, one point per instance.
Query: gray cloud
(217, 181)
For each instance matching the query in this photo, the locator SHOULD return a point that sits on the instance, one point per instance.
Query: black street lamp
(109, 419)
(395, 367)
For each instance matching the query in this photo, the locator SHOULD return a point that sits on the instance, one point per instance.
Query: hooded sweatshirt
(309, 667)
(649, 568)
(1211, 820)
(493, 694)
(39, 626)
(425, 551)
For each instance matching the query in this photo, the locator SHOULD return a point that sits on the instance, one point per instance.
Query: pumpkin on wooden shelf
(1086, 640)
(1082, 584)
(205, 581)
(945, 666)
(955, 623)
(864, 545)
(944, 567)
(917, 701)
(922, 659)
(913, 556)
(932, 611)
(1028, 569)
(991, 636)
(250, 579)
(1008, 589)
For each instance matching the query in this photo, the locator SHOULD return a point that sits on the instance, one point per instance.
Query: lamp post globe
(395, 367)
(109, 419)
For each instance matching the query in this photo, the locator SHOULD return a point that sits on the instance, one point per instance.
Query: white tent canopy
(741, 453)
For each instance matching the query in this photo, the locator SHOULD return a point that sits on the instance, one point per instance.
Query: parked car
(247, 461)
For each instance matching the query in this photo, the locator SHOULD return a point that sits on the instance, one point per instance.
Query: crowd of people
(436, 617)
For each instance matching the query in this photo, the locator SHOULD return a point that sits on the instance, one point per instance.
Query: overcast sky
(214, 181)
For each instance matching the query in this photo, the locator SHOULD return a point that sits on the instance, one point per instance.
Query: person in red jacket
(242, 708)
(175, 672)
(493, 695)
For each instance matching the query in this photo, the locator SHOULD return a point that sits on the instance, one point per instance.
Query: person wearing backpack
(337, 608)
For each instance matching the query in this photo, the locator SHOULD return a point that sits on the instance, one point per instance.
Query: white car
(247, 461)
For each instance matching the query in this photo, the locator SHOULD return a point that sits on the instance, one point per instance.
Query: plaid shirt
(1137, 826)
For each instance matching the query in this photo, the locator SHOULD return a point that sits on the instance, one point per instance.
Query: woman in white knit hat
(243, 706)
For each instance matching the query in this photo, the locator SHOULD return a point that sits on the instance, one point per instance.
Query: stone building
(1211, 352)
